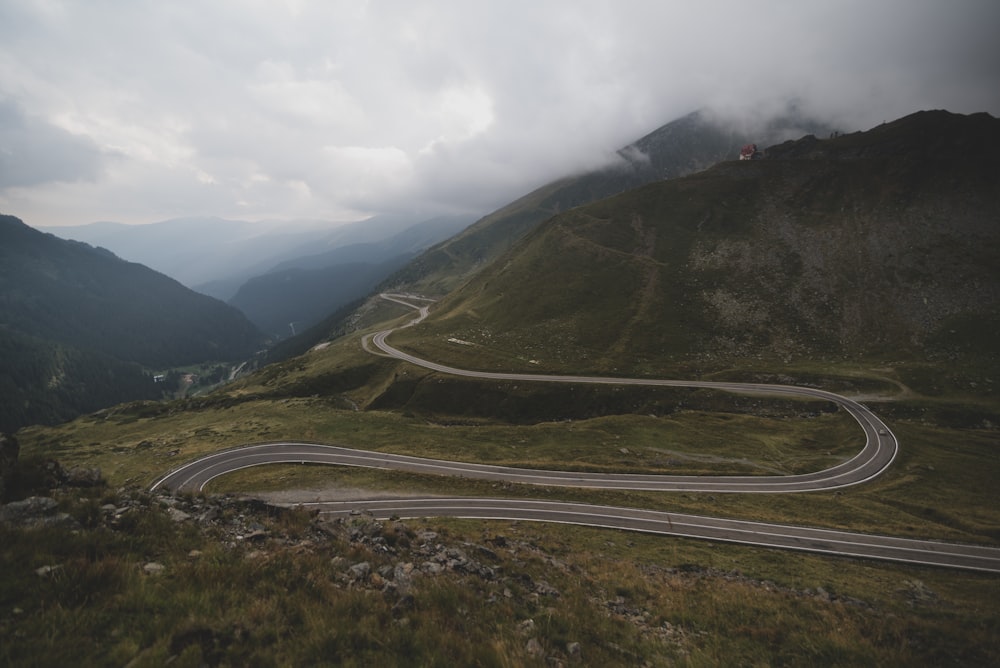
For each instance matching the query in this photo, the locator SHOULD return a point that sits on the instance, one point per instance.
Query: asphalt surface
(879, 450)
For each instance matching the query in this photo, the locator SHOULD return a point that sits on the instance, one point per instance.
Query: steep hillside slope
(74, 317)
(688, 144)
(882, 245)
(288, 301)
(86, 297)
(42, 382)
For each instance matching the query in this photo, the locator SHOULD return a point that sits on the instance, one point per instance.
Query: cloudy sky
(142, 110)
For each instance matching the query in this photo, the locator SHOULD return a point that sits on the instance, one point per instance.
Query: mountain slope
(45, 383)
(86, 297)
(688, 144)
(303, 290)
(284, 302)
(72, 317)
(878, 245)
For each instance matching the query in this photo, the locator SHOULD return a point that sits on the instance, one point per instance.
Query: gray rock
(27, 511)
(432, 568)
(256, 535)
(153, 568)
(209, 515)
(58, 521)
(177, 515)
(918, 592)
(360, 571)
(402, 575)
(545, 589)
(573, 648)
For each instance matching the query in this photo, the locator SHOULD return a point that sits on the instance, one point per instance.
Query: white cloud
(35, 152)
(144, 110)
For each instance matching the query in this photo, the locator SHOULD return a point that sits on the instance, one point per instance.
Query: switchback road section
(194, 476)
(876, 455)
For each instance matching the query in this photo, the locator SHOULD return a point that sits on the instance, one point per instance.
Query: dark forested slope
(77, 323)
(87, 297)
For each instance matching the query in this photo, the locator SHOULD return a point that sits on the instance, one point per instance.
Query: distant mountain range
(79, 327)
(688, 144)
(200, 251)
(286, 277)
(278, 273)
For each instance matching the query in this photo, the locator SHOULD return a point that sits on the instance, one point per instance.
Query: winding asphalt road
(877, 454)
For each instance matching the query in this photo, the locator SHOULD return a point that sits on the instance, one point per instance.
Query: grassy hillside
(623, 597)
(877, 247)
(134, 586)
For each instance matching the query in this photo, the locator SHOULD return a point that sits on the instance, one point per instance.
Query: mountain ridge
(864, 245)
(683, 146)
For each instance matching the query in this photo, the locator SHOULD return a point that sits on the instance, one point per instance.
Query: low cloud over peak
(149, 110)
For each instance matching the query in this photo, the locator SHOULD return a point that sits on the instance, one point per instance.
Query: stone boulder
(36, 511)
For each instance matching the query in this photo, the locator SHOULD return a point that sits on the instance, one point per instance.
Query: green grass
(624, 597)
(940, 485)
(134, 444)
